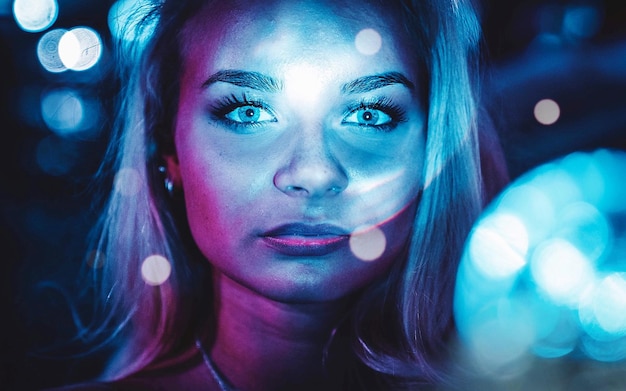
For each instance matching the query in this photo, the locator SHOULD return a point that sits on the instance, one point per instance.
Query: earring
(169, 185)
(167, 181)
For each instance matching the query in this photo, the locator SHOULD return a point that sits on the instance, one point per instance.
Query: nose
(310, 169)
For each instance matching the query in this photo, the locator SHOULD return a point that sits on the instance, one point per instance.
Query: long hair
(399, 328)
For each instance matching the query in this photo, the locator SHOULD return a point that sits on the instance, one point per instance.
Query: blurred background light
(547, 111)
(567, 285)
(35, 15)
(582, 20)
(48, 51)
(80, 48)
(67, 113)
(56, 156)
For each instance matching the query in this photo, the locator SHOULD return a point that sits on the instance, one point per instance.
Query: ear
(172, 168)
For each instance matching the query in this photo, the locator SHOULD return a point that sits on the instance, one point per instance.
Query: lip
(298, 239)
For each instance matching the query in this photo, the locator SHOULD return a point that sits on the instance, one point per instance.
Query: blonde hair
(400, 326)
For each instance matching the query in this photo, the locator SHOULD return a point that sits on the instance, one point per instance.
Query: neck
(262, 344)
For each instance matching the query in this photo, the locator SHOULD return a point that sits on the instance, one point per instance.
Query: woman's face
(299, 146)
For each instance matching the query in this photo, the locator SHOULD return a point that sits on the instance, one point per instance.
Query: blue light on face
(35, 15)
(550, 253)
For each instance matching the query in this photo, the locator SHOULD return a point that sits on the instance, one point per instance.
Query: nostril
(296, 189)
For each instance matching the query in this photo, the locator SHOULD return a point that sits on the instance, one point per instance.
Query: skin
(307, 159)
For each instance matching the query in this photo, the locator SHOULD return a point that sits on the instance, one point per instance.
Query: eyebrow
(261, 82)
(370, 83)
(254, 80)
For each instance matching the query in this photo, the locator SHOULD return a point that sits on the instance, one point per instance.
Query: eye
(367, 117)
(249, 114)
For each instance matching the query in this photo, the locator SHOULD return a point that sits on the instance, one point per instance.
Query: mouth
(299, 239)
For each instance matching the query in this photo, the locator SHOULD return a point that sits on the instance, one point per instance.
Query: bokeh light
(55, 156)
(582, 20)
(80, 48)
(63, 111)
(368, 244)
(547, 111)
(95, 259)
(544, 269)
(48, 51)
(155, 270)
(368, 42)
(35, 15)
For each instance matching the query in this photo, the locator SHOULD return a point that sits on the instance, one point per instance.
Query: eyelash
(232, 102)
(385, 105)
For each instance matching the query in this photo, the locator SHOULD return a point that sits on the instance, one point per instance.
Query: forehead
(245, 34)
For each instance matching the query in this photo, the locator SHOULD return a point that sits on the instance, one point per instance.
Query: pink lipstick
(300, 239)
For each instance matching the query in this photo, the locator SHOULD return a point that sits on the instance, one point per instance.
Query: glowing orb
(80, 48)
(547, 111)
(155, 270)
(35, 15)
(368, 244)
(368, 42)
(48, 51)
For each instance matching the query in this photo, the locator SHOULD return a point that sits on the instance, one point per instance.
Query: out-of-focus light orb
(368, 244)
(561, 271)
(565, 252)
(62, 111)
(609, 304)
(582, 21)
(500, 335)
(55, 156)
(123, 19)
(498, 246)
(48, 51)
(155, 270)
(80, 48)
(127, 182)
(547, 111)
(368, 42)
(95, 259)
(67, 113)
(35, 15)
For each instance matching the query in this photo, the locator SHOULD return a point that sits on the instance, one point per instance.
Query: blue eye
(380, 114)
(249, 114)
(367, 117)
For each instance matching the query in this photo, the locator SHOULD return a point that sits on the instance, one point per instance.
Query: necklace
(215, 373)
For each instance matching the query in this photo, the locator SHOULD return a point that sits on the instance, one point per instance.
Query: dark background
(45, 214)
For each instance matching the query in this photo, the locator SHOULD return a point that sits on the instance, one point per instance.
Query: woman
(294, 183)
